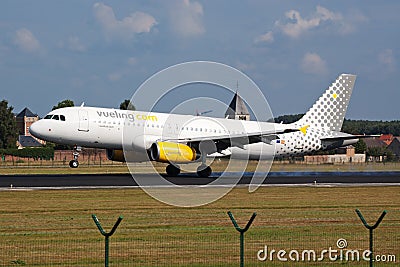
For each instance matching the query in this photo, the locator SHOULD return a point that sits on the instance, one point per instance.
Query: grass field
(55, 228)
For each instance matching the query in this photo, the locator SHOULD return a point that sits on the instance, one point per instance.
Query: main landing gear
(173, 170)
(75, 163)
(203, 170)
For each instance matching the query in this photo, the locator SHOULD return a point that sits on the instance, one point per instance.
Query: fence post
(242, 231)
(371, 233)
(106, 235)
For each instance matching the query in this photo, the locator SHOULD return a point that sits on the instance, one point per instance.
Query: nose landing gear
(75, 163)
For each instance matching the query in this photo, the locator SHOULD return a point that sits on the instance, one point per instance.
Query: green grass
(55, 228)
(217, 166)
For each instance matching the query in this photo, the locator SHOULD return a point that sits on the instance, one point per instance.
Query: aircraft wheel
(74, 163)
(172, 170)
(204, 172)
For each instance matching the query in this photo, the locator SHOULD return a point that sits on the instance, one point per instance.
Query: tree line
(355, 126)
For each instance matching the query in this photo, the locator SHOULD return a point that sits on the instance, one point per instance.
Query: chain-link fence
(301, 245)
(55, 228)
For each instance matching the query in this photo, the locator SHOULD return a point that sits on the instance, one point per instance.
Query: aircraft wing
(239, 140)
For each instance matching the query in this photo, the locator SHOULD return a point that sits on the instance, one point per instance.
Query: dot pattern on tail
(323, 118)
(329, 110)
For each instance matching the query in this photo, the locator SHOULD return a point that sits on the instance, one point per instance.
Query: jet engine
(172, 152)
(116, 155)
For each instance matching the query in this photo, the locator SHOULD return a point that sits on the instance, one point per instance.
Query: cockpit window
(55, 117)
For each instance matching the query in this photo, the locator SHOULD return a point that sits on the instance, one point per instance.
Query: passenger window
(55, 117)
(62, 117)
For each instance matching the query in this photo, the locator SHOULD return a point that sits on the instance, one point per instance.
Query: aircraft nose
(36, 129)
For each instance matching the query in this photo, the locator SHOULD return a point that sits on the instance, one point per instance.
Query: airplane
(137, 136)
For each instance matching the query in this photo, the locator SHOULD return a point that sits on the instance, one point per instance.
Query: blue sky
(100, 52)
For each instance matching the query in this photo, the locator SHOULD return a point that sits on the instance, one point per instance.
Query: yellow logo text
(143, 117)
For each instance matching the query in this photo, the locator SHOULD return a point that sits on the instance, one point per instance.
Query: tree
(288, 118)
(360, 147)
(8, 126)
(64, 104)
(127, 105)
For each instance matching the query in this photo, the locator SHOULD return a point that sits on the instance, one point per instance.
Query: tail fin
(329, 110)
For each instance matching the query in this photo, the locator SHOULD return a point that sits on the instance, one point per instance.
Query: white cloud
(132, 61)
(115, 76)
(312, 63)
(73, 44)
(119, 74)
(386, 58)
(26, 41)
(297, 25)
(350, 23)
(265, 38)
(138, 22)
(245, 66)
(187, 18)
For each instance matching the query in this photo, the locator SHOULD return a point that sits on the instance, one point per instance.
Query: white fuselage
(106, 128)
(118, 129)
(139, 132)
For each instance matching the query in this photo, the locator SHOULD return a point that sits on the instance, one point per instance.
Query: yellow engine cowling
(172, 152)
(116, 155)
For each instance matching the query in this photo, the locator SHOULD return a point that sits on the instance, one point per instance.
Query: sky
(101, 52)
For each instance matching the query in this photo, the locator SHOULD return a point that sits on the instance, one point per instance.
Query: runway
(126, 180)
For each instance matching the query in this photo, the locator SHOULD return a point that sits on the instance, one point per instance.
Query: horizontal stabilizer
(346, 137)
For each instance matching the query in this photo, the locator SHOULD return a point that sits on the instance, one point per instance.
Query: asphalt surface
(274, 178)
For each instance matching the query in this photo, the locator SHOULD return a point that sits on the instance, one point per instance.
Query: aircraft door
(83, 120)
